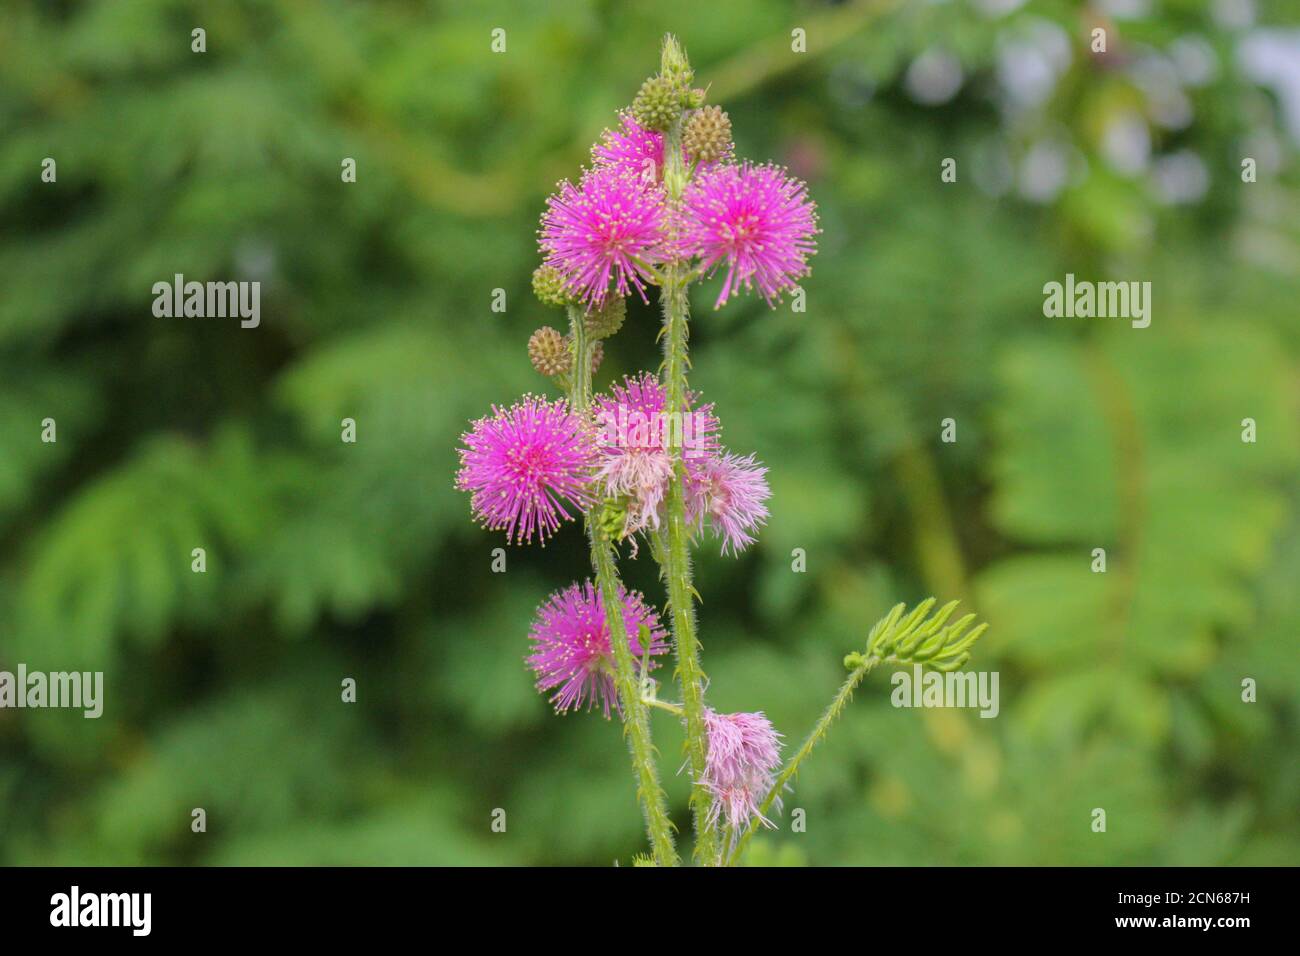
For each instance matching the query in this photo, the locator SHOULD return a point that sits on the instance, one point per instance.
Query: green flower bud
(549, 352)
(658, 103)
(603, 322)
(549, 286)
(672, 60)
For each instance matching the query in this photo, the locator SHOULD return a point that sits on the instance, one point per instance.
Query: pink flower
(757, 220)
(524, 464)
(631, 149)
(635, 150)
(636, 440)
(608, 228)
(729, 491)
(571, 649)
(744, 752)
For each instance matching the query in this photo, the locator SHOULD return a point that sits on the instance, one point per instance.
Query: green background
(1119, 690)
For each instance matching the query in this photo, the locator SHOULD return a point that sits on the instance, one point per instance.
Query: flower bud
(549, 352)
(613, 518)
(673, 62)
(549, 286)
(658, 103)
(707, 137)
(603, 322)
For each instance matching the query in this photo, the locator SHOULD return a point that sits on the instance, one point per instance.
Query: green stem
(580, 376)
(677, 565)
(636, 721)
(791, 768)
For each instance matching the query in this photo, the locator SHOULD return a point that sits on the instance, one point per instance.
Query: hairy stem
(677, 564)
(791, 768)
(636, 721)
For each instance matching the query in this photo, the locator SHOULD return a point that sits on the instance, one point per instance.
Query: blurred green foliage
(1119, 690)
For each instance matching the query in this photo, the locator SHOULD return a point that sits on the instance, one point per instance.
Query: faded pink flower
(729, 492)
(524, 464)
(607, 229)
(571, 650)
(636, 438)
(757, 220)
(744, 752)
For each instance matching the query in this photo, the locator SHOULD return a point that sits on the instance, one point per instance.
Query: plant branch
(677, 566)
(895, 639)
(636, 722)
(791, 768)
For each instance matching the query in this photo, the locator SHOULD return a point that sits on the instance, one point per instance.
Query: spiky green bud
(707, 137)
(549, 286)
(658, 103)
(549, 352)
(673, 61)
(603, 322)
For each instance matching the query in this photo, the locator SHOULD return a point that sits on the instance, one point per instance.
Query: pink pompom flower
(744, 752)
(757, 221)
(728, 491)
(524, 464)
(636, 150)
(636, 438)
(571, 650)
(631, 149)
(610, 228)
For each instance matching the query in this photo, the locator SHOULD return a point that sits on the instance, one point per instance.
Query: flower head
(636, 438)
(548, 352)
(659, 102)
(729, 492)
(524, 464)
(757, 220)
(743, 753)
(707, 136)
(608, 228)
(640, 152)
(571, 650)
(632, 149)
(549, 286)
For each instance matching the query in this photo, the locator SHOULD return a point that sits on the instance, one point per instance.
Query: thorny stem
(791, 768)
(636, 723)
(677, 566)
